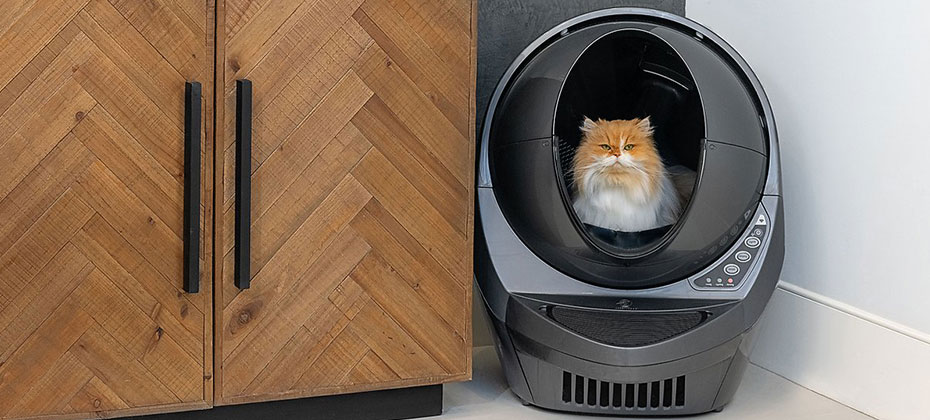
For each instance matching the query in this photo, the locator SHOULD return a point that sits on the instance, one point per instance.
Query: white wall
(849, 82)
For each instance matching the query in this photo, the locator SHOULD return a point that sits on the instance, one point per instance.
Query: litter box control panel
(729, 274)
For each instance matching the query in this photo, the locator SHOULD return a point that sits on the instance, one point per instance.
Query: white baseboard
(854, 357)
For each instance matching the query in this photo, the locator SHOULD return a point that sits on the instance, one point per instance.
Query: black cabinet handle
(192, 127)
(243, 181)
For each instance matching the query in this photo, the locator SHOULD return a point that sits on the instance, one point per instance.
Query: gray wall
(505, 28)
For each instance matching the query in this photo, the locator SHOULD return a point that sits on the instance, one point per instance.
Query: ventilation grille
(566, 163)
(625, 329)
(656, 395)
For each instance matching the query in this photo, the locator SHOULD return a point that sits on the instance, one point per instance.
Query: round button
(743, 256)
(757, 232)
(731, 269)
(753, 242)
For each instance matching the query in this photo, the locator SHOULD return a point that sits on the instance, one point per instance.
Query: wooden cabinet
(361, 202)
(92, 312)
(361, 208)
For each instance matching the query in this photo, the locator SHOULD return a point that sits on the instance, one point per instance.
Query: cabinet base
(390, 404)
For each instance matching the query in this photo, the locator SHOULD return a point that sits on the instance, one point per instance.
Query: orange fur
(620, 180)
(617, 134)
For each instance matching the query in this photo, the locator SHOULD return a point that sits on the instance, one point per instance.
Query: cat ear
(645, 124)
(588, 125)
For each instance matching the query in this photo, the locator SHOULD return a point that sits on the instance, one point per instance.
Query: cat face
(618, 153)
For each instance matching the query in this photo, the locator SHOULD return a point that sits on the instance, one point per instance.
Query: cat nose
(617, 154)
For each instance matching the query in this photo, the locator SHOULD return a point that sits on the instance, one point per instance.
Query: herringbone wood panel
(361, 196)
(92, 316)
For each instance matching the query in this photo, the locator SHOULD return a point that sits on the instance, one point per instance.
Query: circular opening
(700, 102)
(625, 75)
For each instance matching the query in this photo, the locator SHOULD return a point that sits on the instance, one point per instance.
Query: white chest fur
(628, 211)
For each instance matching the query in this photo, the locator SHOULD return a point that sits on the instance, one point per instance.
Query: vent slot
(566, 387)
(630, 395)
(680, 391)
(592, 392)
(663, 394)
(667, 393)
(604, 399)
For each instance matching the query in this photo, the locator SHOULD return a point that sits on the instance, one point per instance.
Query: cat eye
(605, 146)
(628, 147)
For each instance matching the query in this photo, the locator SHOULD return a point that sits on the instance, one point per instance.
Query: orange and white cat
(619, 178)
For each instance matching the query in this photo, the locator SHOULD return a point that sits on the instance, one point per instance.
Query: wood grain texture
(93, 319)
(362, 196)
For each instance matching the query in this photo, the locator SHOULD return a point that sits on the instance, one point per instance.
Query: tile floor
(762, 395)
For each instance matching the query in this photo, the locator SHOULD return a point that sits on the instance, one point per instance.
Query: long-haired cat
(619, 178)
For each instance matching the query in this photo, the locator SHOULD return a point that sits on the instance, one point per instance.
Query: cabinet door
(93, 318)
(361, 196)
